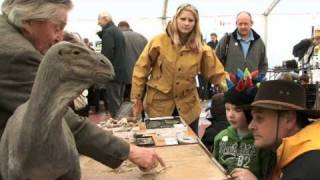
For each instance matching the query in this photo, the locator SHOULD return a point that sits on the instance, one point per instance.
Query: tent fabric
(288, 22)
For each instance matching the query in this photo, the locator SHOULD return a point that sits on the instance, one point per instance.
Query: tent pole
(266, 14)
(164, 14)
(271, 7)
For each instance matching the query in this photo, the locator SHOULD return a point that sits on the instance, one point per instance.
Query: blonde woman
(168, 66)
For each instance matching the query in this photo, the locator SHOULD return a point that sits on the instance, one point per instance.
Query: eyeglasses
(184, 5)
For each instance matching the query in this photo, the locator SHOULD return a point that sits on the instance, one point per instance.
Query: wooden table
(184, 162)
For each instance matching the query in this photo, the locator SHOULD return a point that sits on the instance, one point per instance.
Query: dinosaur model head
(74, 62)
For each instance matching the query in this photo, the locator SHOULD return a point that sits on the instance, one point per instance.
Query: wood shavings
(113, 123)
(126, 166)
(156, 171)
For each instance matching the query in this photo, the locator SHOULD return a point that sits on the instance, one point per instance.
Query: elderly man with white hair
(113, 47)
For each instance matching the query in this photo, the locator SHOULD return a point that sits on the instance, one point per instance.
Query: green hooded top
(231, 152)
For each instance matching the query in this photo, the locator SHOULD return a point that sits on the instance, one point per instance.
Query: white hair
(106, 14)
(18, 11)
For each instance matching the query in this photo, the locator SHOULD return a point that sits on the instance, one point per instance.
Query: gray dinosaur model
(37, 144)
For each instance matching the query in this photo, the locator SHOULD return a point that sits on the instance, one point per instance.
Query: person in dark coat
(301, 48)
(29, 29)
(214, 40)
(218, 121)
(305, 49)
(205, 89)
(114, 48)
(135, 43)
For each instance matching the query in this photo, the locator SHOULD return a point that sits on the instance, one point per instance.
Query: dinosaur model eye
(76, 52)
(102, 61)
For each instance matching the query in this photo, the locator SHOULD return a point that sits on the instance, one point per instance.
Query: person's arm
(220, 49)
(216, 147)
(95, 142)
(110, 150)
(211, 67)
(90, 140)
(145, 158)
(301, 48)
(141, 72)
(108, 45)
(263, 64)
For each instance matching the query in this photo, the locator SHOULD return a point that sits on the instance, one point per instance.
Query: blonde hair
(194, 40)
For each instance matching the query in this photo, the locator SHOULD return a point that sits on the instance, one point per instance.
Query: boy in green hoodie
(234, 146)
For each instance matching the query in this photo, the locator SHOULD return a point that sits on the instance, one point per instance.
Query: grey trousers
(114, 96)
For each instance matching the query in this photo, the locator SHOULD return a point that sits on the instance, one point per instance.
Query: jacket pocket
(154, 95)
(164, 87)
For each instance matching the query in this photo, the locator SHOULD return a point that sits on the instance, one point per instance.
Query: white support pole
(164, 14)
(266, 14)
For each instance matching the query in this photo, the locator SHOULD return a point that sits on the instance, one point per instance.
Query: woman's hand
(137, 107)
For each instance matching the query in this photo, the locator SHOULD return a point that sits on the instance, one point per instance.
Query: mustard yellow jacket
(168, 73)
(307, 139)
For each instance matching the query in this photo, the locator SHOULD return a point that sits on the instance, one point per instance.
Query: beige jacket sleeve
(142, 70)
(211, 67)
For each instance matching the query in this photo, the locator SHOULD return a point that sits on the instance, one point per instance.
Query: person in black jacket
(214, 40)
(218, 120)
(305, 48)
(113, 47)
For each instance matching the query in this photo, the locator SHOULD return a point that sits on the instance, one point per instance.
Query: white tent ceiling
(288, 22)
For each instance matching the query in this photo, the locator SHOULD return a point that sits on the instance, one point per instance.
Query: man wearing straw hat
(282, 123)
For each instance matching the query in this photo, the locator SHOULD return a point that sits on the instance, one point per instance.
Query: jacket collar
(256, 36)
(100, 33)
(109, 24)
(293, 146)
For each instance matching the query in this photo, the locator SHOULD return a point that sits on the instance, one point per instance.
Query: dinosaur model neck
(49, 101)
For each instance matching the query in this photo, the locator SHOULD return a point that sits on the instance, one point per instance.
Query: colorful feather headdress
(242, 86)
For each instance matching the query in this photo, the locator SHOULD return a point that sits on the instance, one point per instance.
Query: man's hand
(145, 158)
(242, 174)
(137, 107)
